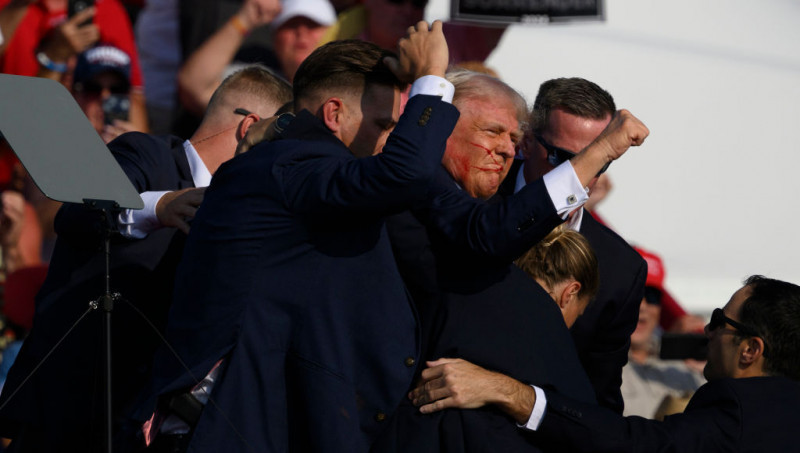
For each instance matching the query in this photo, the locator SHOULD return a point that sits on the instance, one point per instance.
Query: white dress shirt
(138, 223)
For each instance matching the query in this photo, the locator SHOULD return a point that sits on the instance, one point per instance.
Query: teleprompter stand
(69, 162)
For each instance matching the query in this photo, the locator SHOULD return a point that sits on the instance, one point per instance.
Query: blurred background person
(647, 380)
(101, 86)
(46, 42)
(383, 22)
(296, 27)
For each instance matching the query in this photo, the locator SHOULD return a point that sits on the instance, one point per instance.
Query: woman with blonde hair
(565, 265)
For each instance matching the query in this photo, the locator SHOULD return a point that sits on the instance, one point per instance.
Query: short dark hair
(349, 65)
(577, 96)
(773, 310)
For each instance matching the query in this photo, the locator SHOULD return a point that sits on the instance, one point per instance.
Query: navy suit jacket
(480, 307)
(751, 415)
(602, 334)
(60, 409)
(288, 275)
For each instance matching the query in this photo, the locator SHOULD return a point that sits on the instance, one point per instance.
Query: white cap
(320, 11)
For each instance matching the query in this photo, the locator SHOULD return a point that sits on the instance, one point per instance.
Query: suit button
(380, 416)
(410, 362)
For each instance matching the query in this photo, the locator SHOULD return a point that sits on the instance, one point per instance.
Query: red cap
(655, 269)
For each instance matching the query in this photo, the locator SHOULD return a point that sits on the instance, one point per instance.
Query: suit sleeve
(607, 354)
(142, 158)
(710, 424)
(503, 229)
(319, 183)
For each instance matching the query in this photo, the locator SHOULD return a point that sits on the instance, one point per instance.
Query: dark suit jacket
(602, 333)
(730, 415)
(60, 409)
(484, 309)
(288, 275)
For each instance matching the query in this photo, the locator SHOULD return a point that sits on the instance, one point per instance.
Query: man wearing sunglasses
(568, 115)
(748, 405)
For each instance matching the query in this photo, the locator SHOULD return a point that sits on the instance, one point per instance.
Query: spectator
(101, 85)
(646, 379)
(20, 230)
(158, 42)
(46, 41)
(10, 16)
(295, 31)
(384, 22)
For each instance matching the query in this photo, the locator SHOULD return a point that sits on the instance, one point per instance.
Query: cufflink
(572, 199)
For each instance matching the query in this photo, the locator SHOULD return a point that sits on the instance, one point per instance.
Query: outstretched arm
(456, 383)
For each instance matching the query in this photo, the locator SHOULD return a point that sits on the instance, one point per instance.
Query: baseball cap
(99, 59)
(320, 11)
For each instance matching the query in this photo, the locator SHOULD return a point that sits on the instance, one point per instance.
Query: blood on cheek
(488, 151)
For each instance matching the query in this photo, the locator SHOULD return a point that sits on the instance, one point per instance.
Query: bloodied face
(481, 148)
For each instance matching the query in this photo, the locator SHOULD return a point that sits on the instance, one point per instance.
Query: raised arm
(202, 72)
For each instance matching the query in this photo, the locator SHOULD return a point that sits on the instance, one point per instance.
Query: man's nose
(507, 149)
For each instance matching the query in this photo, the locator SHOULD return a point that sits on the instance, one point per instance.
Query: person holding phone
(101, 85)
(46, 41)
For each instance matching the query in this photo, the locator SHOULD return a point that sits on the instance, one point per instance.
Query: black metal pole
(107, 307)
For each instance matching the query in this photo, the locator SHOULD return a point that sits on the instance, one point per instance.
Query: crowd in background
(154, 66)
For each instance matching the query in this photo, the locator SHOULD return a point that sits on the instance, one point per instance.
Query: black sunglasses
(93, 88)
(241, 111)
(417, 3)
(718, 319)
(557, 156)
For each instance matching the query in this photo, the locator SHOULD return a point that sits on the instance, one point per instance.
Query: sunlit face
(649, 315)
(389, 20)
(481, 148)
(294, 40)
(723, 351)
(564, 130)
(369, 119)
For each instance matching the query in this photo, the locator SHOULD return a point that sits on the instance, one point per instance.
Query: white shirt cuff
(537, 414)
(565, 189)
(138, 223)
(434, 86)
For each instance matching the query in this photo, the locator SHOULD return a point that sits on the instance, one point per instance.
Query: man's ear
(751, 350)
(244, 125)
(569, 295)
(332, 111)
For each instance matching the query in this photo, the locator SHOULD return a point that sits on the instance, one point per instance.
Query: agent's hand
(176, 208)
(422, 52)
(71, 38)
